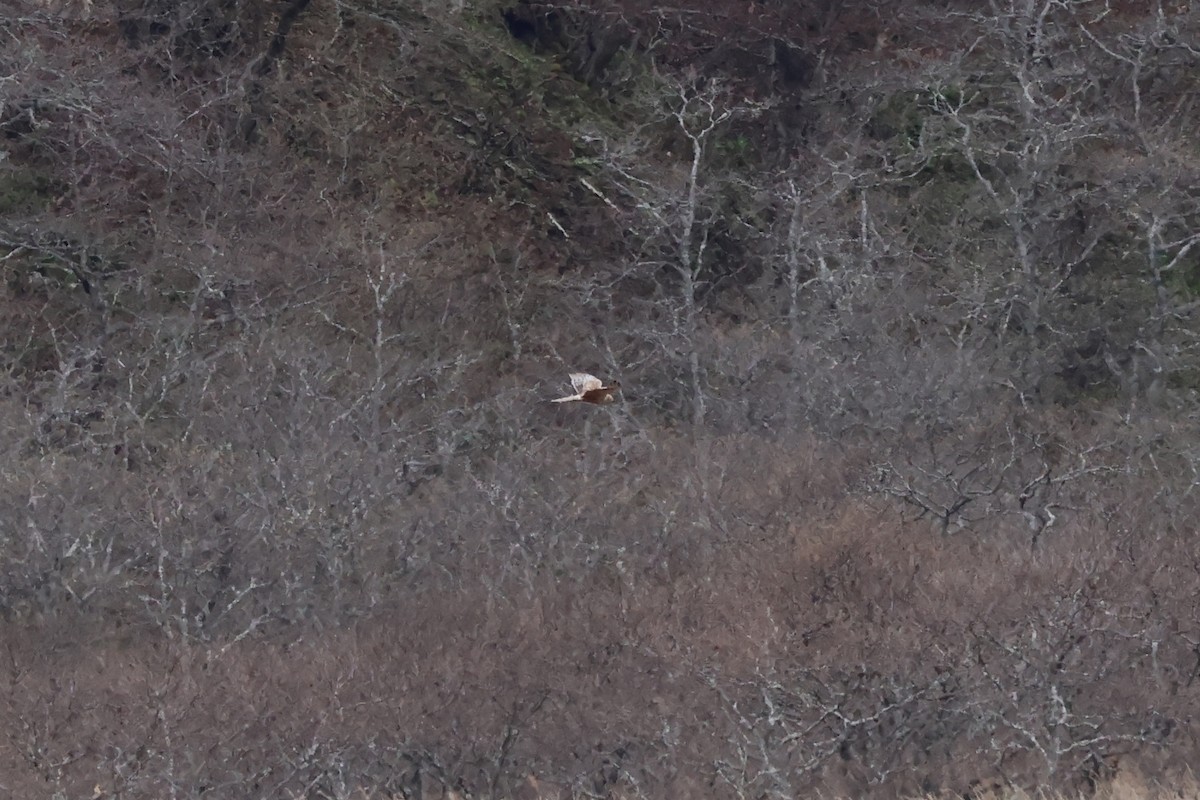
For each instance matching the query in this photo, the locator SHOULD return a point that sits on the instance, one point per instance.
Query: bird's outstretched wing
(584, 382)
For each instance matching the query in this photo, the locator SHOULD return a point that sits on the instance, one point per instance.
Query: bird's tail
(567, 399)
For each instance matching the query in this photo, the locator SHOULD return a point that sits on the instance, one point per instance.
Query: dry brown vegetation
(899, 499)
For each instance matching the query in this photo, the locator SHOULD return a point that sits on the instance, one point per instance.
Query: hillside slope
(898, 496)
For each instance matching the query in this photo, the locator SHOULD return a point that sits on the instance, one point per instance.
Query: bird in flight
(590, 389)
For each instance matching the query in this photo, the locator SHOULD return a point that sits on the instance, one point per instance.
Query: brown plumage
(590, 389)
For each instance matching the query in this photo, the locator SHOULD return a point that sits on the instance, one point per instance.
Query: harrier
(590, 389)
